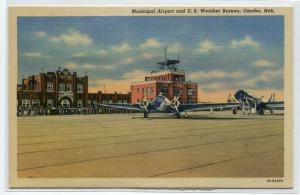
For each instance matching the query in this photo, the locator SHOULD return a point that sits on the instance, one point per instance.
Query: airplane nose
(239, 94)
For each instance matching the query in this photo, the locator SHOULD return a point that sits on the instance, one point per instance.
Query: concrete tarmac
(128, 145)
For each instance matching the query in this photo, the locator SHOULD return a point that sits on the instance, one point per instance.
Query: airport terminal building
(62, 89)
(167, 80)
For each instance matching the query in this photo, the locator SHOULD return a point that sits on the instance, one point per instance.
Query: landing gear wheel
(261, 111)
(186, 115)
(234, 111)
(146, 115)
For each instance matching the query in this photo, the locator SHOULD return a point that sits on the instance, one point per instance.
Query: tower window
(79, 88)
(69, 87)
(61, 87)
(191, 91)
(49, 86)
(164, 91)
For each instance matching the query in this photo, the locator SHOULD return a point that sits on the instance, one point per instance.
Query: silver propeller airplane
(163, 104)
(248, 101)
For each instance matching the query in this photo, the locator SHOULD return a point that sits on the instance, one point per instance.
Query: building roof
(166, 71)
(161, 81)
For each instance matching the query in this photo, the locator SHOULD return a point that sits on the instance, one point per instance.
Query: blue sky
(217, 52)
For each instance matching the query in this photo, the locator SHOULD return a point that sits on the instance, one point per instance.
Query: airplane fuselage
(247, 100)
(160, 103)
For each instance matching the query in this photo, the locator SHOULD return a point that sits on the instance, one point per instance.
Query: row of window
(164, 91)
(36, 102)
(64, 102)
(64, 87)
(29, 103)
(146, 91)
(176, 91)
(160, 78)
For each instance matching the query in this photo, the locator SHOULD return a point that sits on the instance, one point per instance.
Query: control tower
(169, 80)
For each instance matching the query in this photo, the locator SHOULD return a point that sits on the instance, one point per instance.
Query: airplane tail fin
(230, 99)
(272, 98)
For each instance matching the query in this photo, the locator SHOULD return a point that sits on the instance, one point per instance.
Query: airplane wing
(275, 105)
(204, 107)
(134, 107)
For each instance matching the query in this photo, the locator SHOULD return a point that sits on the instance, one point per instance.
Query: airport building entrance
(65, 102)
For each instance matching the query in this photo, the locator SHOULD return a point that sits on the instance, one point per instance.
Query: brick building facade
(62, 89)
(167, 80)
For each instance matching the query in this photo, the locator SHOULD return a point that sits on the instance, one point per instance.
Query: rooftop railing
(177, 70)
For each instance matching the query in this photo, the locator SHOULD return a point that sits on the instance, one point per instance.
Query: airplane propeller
(144, 104)
(175, 103)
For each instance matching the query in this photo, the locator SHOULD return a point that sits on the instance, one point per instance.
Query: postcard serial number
(274, 180)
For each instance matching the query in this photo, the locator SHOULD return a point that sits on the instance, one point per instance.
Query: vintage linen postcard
(150, 97)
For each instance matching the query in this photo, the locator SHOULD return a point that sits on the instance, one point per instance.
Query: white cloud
(247, 41)
(150, 43)
(86, 66)
(40, 34)
(80, 54)
(236, 74)
(265, 76)
(207, 74)
(35, 55)
(127, 61)
(72, 37)
(113, 66)
(72, 65)
(134, 75)
(215, 74)
(206, 46)
(101, 66)
(146, 56)
(174, 48)
(108, 66)
(123, 47)
(102, 52)
(263, 63)
(89, 66)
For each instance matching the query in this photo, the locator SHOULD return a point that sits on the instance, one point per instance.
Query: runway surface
(127, 145)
